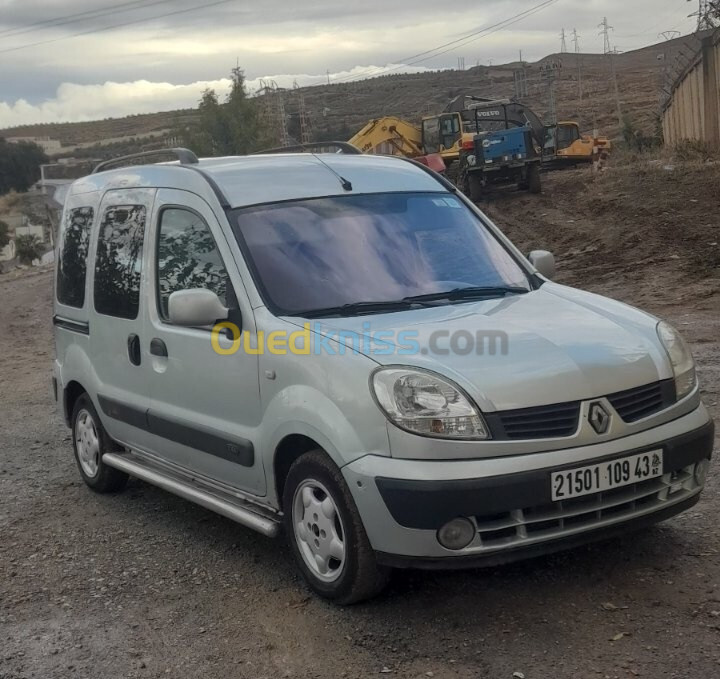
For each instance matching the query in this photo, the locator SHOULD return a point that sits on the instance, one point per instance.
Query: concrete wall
(693, 109)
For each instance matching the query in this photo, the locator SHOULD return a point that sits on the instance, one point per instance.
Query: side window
(118, 264)
(188, 258)
(72, 267)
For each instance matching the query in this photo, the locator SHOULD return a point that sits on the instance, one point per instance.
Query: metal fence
(692, 112)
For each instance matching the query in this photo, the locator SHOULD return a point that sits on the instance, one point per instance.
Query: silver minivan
(345, 347)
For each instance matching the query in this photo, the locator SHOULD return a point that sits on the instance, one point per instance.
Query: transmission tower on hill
(563, 43)
(707, 14)
(611, 54)
(305, 130)
(576, 42)
(605, 32)
(274, 110)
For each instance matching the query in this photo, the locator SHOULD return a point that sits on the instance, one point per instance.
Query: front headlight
(425, 403)
(680, 357)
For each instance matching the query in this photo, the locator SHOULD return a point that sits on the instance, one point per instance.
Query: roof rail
(185, 156)
(316, 147)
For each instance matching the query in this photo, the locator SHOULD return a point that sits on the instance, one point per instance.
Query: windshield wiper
(356, 308)
(468, 293)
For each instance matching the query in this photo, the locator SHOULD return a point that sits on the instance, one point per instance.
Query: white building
(50, 146)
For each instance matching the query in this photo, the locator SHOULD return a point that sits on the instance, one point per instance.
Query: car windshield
(313, 255)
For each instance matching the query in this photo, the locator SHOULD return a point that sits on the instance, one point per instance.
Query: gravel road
(143, 584)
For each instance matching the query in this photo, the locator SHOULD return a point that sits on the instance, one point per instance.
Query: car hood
(552, 345)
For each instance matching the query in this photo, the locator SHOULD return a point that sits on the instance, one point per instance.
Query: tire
(330, 547)
(533, 179)
(90, 443)
(475, 188)
(453, 172)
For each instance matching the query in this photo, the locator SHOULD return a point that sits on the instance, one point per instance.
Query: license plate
(596, 478)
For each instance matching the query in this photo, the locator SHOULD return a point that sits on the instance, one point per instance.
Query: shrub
(694, 149)
(28, 248)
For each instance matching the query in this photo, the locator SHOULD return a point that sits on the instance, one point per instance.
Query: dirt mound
(612, 227)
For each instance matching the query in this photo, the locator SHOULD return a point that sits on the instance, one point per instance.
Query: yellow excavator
(565, 145)
(453, 131)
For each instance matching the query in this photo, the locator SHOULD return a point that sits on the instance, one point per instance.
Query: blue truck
(504, 146)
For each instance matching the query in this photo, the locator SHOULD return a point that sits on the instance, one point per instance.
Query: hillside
(338, 110)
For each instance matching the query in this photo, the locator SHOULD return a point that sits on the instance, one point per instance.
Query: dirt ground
(143, 584)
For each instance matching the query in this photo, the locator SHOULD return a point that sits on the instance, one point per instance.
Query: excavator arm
(389, 136)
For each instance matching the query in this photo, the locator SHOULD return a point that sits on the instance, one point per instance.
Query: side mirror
(196, 308)
(543, 261)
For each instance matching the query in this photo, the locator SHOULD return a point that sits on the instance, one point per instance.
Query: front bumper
(404, 502)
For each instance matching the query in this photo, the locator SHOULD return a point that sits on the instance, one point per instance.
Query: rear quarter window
(72, 265)
(118, 265)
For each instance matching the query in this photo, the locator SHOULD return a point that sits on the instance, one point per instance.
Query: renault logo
(599, 418)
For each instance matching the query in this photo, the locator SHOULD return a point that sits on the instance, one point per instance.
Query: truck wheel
(326, 534)
(90, 443)
(475, 188)
(533, 180)
(452, 172)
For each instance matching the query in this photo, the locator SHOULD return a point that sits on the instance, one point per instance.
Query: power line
(471, 37)
(80, 16)
(121, 25)
(454, 44)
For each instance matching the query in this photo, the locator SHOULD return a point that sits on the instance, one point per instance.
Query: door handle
(158, 348)
(133, 347)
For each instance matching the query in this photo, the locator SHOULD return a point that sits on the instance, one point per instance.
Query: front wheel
(326, 533)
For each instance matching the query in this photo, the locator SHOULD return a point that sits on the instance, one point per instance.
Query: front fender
(345, 433)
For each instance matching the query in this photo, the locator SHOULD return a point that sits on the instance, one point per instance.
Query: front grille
(542, 422)
(561, 420)
(634, 404)
(557, 519)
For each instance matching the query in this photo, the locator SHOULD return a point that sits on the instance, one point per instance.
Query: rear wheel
(90, 443)
(533, 179)
(475, 188)
(326, 534)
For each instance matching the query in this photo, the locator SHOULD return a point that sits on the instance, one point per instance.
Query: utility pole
(576, 41)
(610, 53)
(563, 44)
(461, 63)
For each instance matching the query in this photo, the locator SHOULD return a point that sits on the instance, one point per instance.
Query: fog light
(701, 471)
(456, 534)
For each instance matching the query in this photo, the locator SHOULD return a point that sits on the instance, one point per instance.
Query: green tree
(231, 128)
(28, 248)
(19, 165)
(4, 235)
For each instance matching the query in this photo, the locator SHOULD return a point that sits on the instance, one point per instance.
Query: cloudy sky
(68, 60)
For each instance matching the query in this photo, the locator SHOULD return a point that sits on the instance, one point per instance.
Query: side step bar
(224, 506)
